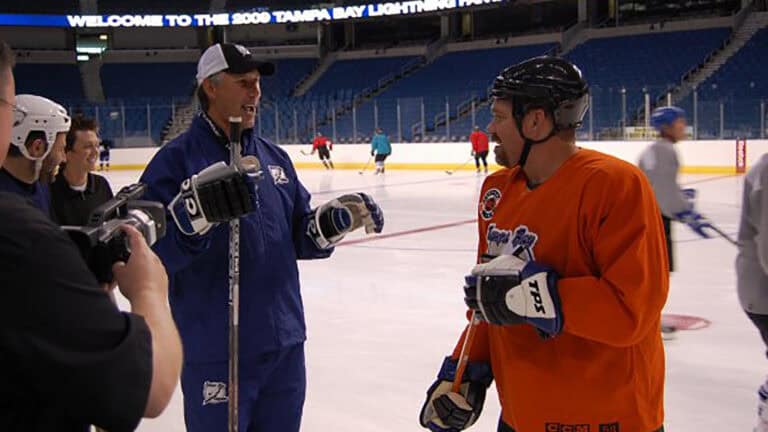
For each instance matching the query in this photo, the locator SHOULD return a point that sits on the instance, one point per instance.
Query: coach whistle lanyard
(220, 135)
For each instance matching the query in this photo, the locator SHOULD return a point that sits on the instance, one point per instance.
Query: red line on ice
(408, 232)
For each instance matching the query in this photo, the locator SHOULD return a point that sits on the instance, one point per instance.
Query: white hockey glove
(446, 411)
(216, 194)
(334, 219)
(508, 291)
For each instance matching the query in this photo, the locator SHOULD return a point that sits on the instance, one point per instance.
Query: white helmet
(38, 114)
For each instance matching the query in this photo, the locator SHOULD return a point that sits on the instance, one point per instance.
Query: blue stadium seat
(741, 86)
(346, 76)
(453, 77)
(130, 80)
(35, 78)
(287, 74)
(653, 61)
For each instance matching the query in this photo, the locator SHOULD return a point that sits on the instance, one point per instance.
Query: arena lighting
(89, 50)
(371, 10)
(83, 57)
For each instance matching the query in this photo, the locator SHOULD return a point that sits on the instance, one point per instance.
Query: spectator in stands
(479, 142)
(381, 148)
(106, 145)
(323, 146)
(70, 358)
(77, 191)
(37, 149)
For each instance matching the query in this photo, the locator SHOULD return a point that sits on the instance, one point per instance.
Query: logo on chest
(519, 242)
(278, 174)
(489, 203)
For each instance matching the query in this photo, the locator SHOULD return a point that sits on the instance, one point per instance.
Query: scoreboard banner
(373, 10)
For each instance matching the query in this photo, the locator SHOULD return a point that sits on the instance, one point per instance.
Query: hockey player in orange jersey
(572, 280)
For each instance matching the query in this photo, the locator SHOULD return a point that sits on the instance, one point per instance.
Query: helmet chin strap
(38, 168)
(529, 143)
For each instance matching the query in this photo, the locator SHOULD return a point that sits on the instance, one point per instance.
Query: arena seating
(741, 86)
(454, 77)
(35, 78)
(653, 61)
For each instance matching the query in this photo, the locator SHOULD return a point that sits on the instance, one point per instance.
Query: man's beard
(499, 154)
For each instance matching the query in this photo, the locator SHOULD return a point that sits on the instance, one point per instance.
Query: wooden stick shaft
(466, 346)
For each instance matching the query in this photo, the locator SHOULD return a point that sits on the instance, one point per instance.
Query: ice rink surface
(381, 314)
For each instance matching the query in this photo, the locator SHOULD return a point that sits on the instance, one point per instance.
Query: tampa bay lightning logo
(489, 203)
(278, 174)
(519, 242)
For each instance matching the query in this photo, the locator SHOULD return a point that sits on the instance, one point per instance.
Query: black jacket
(72, 207)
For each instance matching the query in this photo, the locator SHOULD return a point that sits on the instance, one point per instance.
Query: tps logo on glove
(527, 299)
(537, 302)
(509, 291)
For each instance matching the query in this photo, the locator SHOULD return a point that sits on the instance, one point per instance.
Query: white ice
(382, 314)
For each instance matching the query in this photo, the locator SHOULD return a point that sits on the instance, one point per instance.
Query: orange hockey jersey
(596, 223)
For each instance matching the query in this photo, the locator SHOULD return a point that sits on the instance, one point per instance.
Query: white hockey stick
(234, 289)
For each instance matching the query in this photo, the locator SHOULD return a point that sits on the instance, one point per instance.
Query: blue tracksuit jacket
(272, 238)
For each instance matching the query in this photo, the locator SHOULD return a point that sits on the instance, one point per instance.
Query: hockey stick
(466, 345)
(366, 165)
(305, 153)
(469, 336)
(724, 235)
(234, 288)
(450, 172)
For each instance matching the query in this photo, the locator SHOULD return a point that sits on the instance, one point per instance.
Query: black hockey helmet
(549, 83)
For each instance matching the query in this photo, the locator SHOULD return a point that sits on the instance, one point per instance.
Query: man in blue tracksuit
(277, 227)
(380, 147)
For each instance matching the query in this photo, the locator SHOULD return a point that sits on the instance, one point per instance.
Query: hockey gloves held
(446, 411)
(508, 290)
(216, 194)
(334, 219)
(695, 221)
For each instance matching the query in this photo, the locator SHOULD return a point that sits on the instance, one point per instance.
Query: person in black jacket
(68, 357)
(77, 191)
